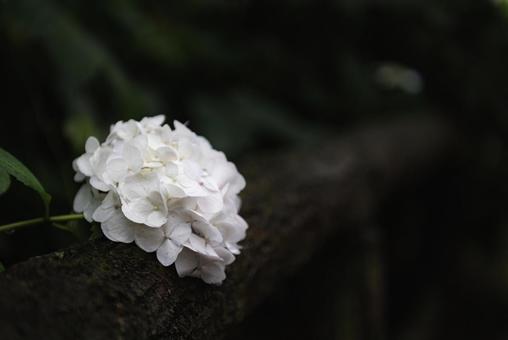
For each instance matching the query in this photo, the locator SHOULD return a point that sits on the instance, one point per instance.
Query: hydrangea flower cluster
(168, 191)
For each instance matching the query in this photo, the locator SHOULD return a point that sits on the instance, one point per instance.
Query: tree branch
(293, 202)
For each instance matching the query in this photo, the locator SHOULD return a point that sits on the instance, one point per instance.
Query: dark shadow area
(424, 270)
(258, 76)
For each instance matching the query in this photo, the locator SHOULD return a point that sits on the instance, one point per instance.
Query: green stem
(39, 220)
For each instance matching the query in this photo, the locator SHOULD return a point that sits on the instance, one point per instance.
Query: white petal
(225, 172)
(213, 272)
(117, 169)
(140, 142)
(166, 154)
(79, 177)
(83, 164)
(210, 184)
(185, 181)
(154, 141)
(165, 133)
(222, 171)
(182, 128)
(138, 210)
(107, 207)
(186, 149)
(99, 160)
(174, 191)
(192, 188)
(139, 185)
(186, 263)
(126, 130)
(232, 227)
(237, 184)
(148, 239)
(197, 244)
(156, 219)
(208, 231)
(232, 203)
(211, 253)
(98, 184)
(226, 256)
(118, 228)
(211, 204)
(89, 211)
(103, 213)
(83, 198)
(168, 252)
(172, 169)
(91, 144)
(173, 219)
(188, 203)
(197, 216)
(75, 165)
(233, 248)
(191, 169)
(180, 233)
(153, 122)
(237, 201)
(133, 158)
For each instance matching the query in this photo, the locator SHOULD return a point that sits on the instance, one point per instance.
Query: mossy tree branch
(294, 202)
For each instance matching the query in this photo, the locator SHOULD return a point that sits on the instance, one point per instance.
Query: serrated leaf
(12, 166)
(5, 181)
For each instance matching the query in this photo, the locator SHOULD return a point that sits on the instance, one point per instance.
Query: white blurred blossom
(168, 191)
(399, 77)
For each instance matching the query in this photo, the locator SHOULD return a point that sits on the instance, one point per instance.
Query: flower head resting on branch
(168, 191)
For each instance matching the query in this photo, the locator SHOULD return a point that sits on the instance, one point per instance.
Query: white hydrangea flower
(168, 191)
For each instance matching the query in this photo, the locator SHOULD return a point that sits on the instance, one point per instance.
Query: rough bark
(294, 201)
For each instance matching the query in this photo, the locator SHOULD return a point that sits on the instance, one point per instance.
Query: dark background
(256, 76)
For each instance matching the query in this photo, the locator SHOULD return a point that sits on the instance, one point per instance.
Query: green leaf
(5, 181)
(2, 268)
(12, 166)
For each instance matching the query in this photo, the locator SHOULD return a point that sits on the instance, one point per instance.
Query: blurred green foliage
(254, 76)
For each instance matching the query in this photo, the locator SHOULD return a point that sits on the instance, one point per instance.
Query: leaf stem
(39, 220)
